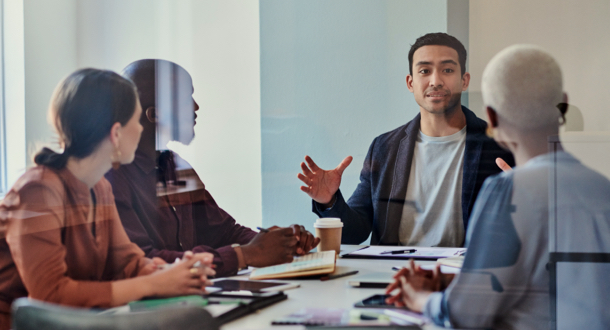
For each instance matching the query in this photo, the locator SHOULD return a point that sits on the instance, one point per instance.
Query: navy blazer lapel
(402, 170)
(472, 156)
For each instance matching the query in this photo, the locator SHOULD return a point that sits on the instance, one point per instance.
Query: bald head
(165, 90)
(523, 84)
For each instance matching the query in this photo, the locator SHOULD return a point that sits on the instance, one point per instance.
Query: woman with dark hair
(61, 239)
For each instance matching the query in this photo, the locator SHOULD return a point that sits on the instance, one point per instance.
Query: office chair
(29, 314)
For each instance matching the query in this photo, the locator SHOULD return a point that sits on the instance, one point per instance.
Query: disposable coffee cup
(329, 232)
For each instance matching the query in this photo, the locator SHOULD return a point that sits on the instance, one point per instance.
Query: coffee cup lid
(328, 223)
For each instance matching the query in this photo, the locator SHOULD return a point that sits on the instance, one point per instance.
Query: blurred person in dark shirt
(166, 210)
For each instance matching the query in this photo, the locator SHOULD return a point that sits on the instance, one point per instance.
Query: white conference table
(315, 293)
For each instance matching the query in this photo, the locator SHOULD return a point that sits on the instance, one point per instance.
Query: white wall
(14, 90)
(574, 32)
(50, 55)
(332, 79)
(216, 41)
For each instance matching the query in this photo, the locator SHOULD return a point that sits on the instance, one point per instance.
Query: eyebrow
(420, 63)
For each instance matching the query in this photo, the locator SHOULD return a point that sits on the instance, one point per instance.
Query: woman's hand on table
(415, 284)
(185, 277)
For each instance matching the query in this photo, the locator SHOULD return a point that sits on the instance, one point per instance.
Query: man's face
(437, 82)
(192, 107)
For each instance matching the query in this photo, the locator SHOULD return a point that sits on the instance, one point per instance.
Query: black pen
(262, 229)
(332, 277)
(399, 251)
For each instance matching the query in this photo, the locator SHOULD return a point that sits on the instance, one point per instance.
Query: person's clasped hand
(414, 285)
(188, 276)
(306, 240)
(271, 247)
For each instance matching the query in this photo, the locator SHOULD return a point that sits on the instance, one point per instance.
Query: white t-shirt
(432, 213)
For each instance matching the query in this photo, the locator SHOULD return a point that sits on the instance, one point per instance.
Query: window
(3, 187)
(12, 94)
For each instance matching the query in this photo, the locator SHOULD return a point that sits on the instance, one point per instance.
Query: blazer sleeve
(34, 236)
(358, 213)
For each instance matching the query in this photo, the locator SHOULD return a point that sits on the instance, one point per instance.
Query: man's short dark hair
(439, 39)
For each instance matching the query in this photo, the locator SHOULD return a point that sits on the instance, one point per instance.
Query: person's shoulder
(476, 131)
(103, 190)
(583, 180)
(103, 185)
(474, 123)
(124, 177)
(39, 176)
(502, 179)
(118, 176)
(38, 183)
(181, 163)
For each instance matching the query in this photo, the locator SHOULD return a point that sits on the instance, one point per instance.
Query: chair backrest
(29, 314)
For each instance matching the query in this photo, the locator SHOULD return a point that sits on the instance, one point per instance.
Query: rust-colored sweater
(49, 248)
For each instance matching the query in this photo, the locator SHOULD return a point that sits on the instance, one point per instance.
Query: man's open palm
(321, 184)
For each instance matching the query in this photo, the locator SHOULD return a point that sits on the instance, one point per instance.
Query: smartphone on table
(374, 301)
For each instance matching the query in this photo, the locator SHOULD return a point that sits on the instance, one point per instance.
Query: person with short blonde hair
(504, 282)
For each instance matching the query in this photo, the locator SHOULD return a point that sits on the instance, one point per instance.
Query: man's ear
(151, 114)
(115, 134)
(410, 83)
(492, 117)
(465, 81)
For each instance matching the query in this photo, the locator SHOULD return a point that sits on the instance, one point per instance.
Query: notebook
(318, 263)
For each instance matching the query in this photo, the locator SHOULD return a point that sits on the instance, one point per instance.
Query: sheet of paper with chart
(318, 263)
(404, 252)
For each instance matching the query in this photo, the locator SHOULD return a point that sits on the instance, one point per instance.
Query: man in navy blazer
(419, 182)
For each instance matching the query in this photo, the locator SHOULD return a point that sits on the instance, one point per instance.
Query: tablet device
(242, 287)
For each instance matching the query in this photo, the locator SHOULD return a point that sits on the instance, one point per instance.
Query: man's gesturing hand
(321, 184)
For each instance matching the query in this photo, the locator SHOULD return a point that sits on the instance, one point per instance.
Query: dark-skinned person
(62, 240)
(165, 224)
(505, 280)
